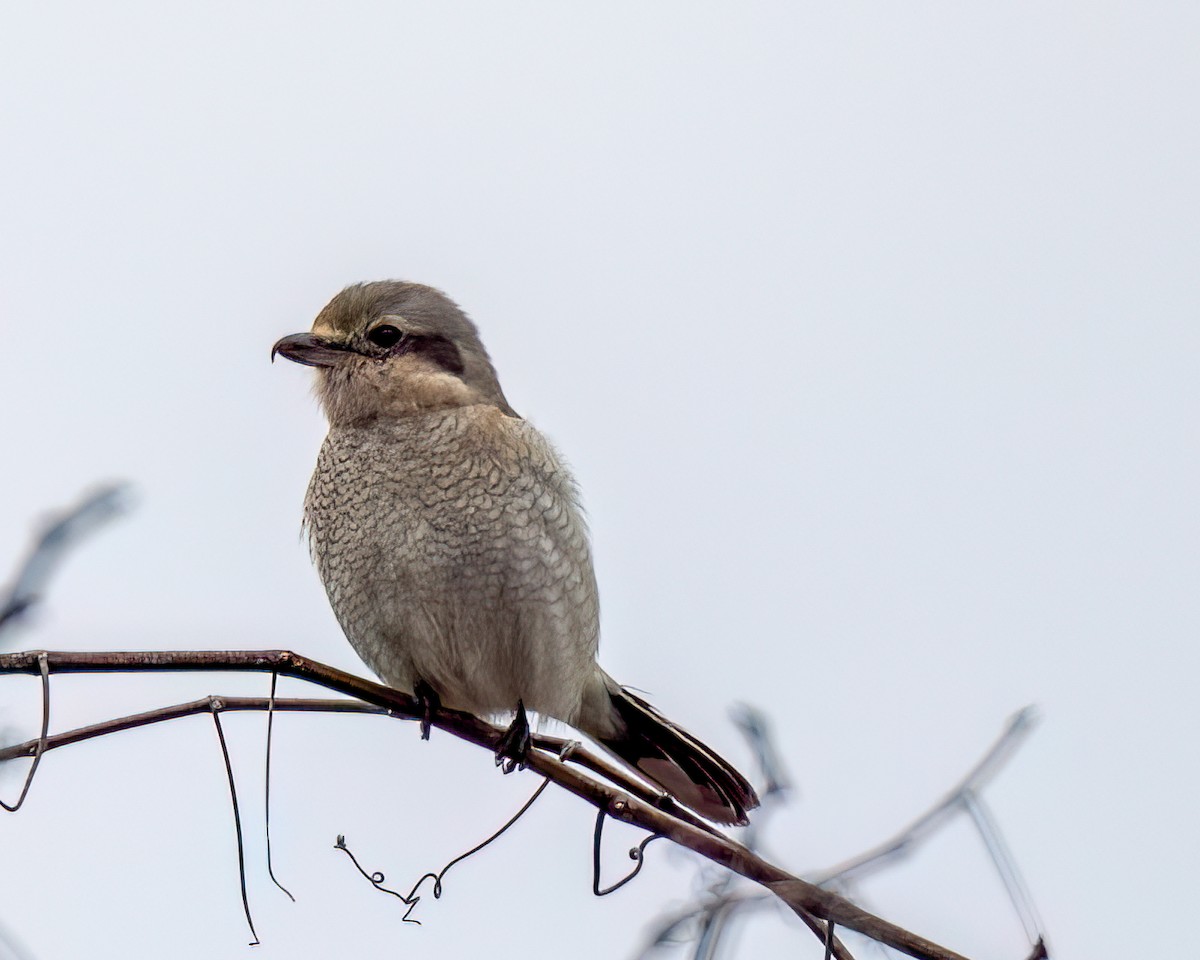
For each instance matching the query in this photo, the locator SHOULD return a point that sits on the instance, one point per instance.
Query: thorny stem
(806, 899)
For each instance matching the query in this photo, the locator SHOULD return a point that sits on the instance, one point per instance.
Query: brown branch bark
(205, 705)
(637, 804)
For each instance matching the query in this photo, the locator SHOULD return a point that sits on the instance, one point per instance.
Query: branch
(59, 535)
(1017, 729)
(205, 705)
(642, 807)
(964, 796)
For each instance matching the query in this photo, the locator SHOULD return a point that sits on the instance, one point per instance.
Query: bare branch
(59, 535)
(712, 915)
(39, 749)
(1018, 727)
(756, 728)
(237, 817)
(806, 899)
(1006, 866)
(267, 787)
(11, 948)
(191, 708)
(714, 911)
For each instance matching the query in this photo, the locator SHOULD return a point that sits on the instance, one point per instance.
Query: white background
(869, 329)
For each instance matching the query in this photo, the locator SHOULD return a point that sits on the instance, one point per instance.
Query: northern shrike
(449, 538)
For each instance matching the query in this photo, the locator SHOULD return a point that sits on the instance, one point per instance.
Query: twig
(565, 749)
(711, 913)
(237, 816)
(267, 788)
(41, 744)
(11, 948)
(756, 728)
(557, 745)
(1017, 728)
(672, 929)
(61, 533)
(806, 899)
(1006, 866)
(180, 710)
(719, 904)
(713, 924)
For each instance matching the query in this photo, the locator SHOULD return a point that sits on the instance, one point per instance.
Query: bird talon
(430, 702)
(513, 748)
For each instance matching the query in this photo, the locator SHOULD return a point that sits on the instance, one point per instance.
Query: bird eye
(385, 335)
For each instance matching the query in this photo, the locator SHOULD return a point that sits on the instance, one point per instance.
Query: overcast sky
(869, 330)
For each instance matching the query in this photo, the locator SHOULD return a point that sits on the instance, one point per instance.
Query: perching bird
(449, 538)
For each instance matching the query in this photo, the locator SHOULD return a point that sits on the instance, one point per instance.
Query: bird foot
(514, 746)
(430, 702)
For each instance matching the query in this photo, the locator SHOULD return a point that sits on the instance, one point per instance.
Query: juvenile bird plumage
(449, 537)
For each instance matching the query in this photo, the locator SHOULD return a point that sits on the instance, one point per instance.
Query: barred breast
(453, 551)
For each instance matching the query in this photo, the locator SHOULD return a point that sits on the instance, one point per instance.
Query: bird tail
(683, 766)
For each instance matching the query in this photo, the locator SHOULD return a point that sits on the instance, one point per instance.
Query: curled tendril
(637, 854)
(377, 878)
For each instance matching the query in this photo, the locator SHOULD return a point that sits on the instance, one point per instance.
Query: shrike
(450, 541)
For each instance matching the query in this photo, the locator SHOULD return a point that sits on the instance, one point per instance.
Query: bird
(449, 537)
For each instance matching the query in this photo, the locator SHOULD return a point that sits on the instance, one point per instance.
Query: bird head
(392, 349)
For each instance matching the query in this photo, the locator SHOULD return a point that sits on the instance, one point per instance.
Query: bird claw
(513, 748)
(430, 702)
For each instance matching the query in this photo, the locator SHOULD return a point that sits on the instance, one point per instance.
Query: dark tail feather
(678, 762)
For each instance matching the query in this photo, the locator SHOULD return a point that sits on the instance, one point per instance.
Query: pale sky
(869, 330)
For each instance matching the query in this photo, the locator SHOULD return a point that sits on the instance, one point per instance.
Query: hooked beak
(309, 349)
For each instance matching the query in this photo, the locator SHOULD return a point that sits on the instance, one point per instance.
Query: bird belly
(459, 565)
